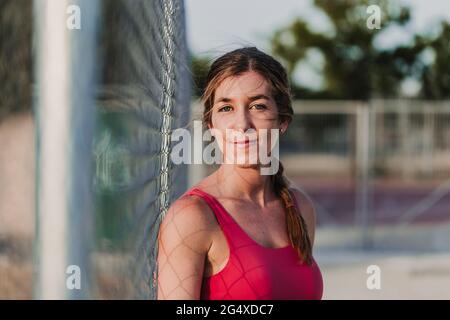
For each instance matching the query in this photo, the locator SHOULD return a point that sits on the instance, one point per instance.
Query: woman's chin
(247, 166)
(243, 164)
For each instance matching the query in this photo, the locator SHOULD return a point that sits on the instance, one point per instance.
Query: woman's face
(244, 110)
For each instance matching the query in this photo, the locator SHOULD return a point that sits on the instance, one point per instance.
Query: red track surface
(335, 200)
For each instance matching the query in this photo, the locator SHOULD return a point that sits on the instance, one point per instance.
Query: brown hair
(238, 62)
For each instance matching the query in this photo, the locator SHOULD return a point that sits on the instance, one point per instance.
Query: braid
(296, 225)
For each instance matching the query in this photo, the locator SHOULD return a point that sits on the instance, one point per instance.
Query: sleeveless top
(255, 272)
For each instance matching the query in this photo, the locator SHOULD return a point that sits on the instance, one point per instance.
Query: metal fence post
(364, 146)
(65, 109)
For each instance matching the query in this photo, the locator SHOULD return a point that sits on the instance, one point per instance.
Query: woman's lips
(245, 143)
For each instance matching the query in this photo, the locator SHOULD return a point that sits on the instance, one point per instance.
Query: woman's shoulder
(189, 208)
(189, 217)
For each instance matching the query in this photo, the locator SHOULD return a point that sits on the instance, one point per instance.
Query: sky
(214, 26)
(217, 26)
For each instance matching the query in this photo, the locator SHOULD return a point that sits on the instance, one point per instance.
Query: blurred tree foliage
(435, 76)
(353, 66)
(16, 22)
(199, 70)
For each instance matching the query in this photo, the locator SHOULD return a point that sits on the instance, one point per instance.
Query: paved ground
(403, 275)
(414, 262)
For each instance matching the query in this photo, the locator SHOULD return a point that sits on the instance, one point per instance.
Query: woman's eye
(225, 108)
(260, 106)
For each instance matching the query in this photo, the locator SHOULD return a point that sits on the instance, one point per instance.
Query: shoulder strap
(235, 235)
(219, 211)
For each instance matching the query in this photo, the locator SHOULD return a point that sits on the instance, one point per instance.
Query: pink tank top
(255, 272)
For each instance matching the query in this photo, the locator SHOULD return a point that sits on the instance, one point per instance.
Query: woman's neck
(245, 183)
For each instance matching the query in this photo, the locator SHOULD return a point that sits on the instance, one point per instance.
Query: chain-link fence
(143, 96)
(110, 94)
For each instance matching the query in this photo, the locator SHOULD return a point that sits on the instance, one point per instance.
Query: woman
(239, 234)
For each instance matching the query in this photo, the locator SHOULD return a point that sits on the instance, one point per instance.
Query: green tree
(435, 75)
(199, 70)
(354, 68)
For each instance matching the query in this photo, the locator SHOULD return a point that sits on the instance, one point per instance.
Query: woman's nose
(242, 121)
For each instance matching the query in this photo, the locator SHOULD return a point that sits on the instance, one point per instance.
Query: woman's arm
(184, 240)
(307, 210)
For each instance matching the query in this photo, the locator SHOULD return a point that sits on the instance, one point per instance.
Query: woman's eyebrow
(259, 96)
(223, 100)
(252, 98)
